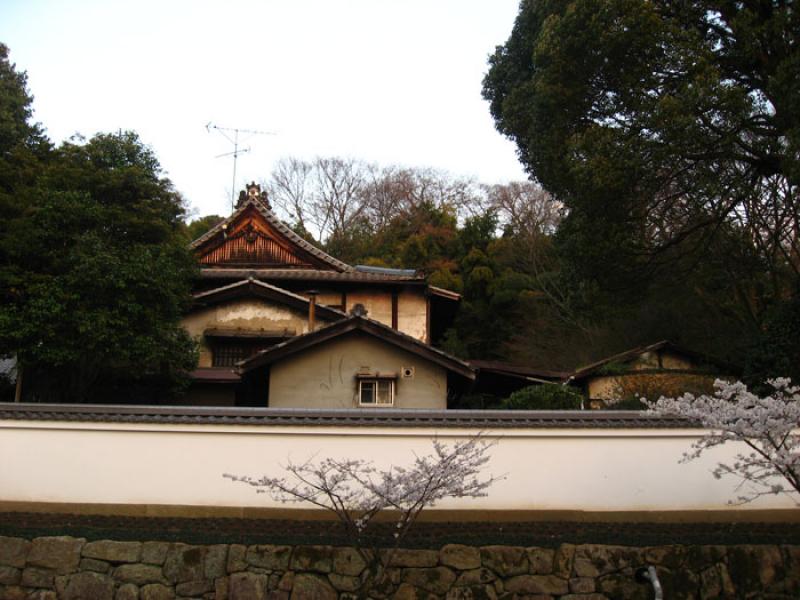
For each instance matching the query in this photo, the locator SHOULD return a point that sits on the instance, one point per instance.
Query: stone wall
(50, 568)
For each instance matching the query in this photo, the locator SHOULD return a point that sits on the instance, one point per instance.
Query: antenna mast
(225, 131)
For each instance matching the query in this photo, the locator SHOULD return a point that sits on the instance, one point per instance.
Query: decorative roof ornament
(253, 193)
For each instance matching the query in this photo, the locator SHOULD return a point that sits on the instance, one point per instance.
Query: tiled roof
(215, 375)
(629, 355)
(254, 287)
(365, 325)
(375, 417)
(280, 226)
(517, 370)
(308, 275)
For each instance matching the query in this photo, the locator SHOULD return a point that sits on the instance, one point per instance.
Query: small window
(376, 392)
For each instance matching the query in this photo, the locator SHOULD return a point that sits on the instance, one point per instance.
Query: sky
(392, 82)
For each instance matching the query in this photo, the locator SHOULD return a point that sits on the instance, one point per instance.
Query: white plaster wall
(561, 469)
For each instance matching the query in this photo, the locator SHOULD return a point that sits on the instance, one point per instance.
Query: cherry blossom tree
(769, 426)
(357, 492)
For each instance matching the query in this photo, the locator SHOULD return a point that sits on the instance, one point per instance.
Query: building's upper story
(261, 284)
(254, 244)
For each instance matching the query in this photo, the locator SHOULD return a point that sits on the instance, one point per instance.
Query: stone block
(127, 591)
(113, 551)
(312, 558)
(139, 574)
(436, 580)
(308, 586)
(540, 560)
(247, 586)
(679, 583)
(156, 591)
(13, 592)
(185, 563)
(90, 564)
(505, 560)
(716, 583)
(672, 557)
(216, 559)
(563, 560)
(581, 585)
(194, 588)
(537, 584)
(9, 575)
(96, 586)
(621, 585)
(403, 557)
(236, 558)
(37, 578)
(475, 577)
(347, 561)
(278, 595)
(221, 588)
(406, 591)
(460, 557)
(154, 553)
(269, 557)
(344, 583)
(13, 551)
(286, 582)
(475, 592)
(596, 560)
(754, 567)
(42, 595)
(591, 596)
(61, 553)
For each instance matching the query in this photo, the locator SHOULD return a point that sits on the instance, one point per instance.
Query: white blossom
(357, 492)
(769, 426)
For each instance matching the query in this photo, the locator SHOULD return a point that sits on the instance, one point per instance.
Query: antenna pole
(236, 152)
(235, 157)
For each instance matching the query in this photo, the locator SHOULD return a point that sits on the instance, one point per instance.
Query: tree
(668, 131)
(547, 396)
(96, 274)
(201, 225)
(668, 117)
(768, 425)
(357, 493)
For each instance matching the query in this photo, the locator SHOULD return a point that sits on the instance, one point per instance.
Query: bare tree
(290, 190)
(338, 200)
(329, 195)
(357, 493)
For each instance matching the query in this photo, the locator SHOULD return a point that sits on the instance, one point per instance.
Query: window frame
(376, 382)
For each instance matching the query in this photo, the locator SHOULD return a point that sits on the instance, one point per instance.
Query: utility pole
(232, 135)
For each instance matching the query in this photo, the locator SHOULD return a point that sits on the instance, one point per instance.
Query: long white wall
(544, 469)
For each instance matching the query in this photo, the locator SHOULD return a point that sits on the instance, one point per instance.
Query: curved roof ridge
(278, 224)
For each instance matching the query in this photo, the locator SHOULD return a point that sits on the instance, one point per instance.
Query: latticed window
(228, 354)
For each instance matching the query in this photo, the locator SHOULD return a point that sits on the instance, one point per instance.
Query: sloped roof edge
(260, 289)
(634, 352)
(366, 325)
(273, 220)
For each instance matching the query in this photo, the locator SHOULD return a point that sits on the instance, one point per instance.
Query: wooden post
(18, 390)
(312, 310)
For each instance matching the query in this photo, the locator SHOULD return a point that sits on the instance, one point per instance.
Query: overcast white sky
(387, 81)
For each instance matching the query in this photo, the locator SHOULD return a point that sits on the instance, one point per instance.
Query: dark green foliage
(547, 396)
(200, 226)
(95, 277)
(670, 132)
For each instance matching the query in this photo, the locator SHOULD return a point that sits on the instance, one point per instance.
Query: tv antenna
(232, 135)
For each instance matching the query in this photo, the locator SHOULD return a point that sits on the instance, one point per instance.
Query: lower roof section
(375, 417)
